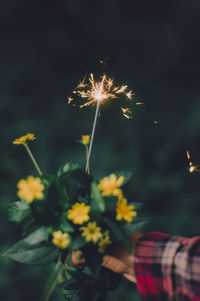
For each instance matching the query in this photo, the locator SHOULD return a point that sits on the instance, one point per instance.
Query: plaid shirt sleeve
(167, 267)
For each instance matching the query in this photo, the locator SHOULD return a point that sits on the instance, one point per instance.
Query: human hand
(119, 260)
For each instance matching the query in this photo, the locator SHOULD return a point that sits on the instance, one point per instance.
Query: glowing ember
(192, 168)
(188, 154)
(101, 90)
(70, 99)
(127, 113)
(129, 95)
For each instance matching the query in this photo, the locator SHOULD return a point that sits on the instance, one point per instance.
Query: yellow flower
(30, 189)
(104, 242)
(23, 139)
(125, 211)
(61, 239)
(109, 186)
(91, 232)
(85, 139)
(79, 213)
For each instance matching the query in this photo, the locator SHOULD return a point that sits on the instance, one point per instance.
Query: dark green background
(46, 48)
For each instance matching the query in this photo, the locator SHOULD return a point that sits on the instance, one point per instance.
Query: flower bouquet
(71, 219)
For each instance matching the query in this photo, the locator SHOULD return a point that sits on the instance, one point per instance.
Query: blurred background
(46, 48)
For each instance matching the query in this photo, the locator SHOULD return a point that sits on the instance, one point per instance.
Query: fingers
(118, 266)
(131, 278)
(114, 264)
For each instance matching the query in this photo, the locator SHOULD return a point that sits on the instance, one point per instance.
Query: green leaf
(17, 211)
(137, 224)
(97, 201)
(77, 183)
(37, 236)
(137, 205)
(47, 178)
(118, 233)
(49, 211)
(20, 252)
(74, 295)
(109, 279)
(67, 168)
(75, 290)
(111, 202)
(126, 174)
(78, 242)
(32, 249)
(66, 227)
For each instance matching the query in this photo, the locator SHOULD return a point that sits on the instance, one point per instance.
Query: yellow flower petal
(30, 189)
(60, 239)
(23, 139)
(79, 213)
(104, 242)
(85, 139)
(125, 211)
(110, 186)
(91, 232)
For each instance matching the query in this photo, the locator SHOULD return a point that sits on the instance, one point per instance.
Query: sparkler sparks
(188, 154)
(127, 113)
(192, 168)
(102, 90)
(96, 93)
(70, 99)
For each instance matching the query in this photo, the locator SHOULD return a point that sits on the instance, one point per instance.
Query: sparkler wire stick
(92, 135)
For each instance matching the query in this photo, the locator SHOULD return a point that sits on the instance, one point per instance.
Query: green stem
(86, 148)
(33, 159)
(52, 281)
(54, 284)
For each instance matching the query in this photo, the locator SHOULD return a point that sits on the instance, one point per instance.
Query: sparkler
(192, 168)
(97, 93)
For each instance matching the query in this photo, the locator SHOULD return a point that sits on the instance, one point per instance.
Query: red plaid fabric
(168, 267)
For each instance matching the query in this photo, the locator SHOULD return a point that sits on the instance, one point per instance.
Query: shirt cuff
(153, 263)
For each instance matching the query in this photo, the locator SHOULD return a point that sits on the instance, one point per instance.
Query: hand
(120, 261)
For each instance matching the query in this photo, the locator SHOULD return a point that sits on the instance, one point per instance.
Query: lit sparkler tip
(139, 103)
(102, 90)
